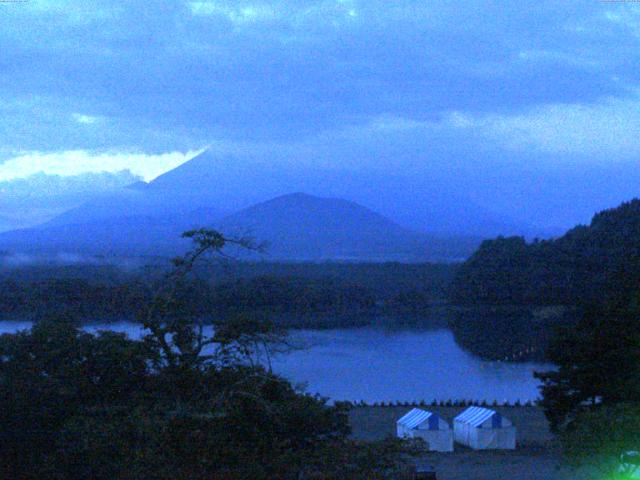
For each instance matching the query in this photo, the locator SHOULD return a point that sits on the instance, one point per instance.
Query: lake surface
(376, 365)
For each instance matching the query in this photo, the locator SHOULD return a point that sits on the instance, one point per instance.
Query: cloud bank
(77, 162)
(173, 76)
(39, 197)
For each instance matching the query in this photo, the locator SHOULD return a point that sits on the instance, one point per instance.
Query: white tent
(428, 426)
(481, 429)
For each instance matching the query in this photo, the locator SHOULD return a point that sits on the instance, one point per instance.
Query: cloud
(76, 162)
(236, 14)
(48, 185)
(293, 19)
(555, 135)
(627, 16)
(576, 58)
(157, 76)
(602, 131)
(85, 119)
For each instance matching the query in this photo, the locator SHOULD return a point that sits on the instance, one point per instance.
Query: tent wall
(437, 440)
(495, 439)
(485, 438)
(462, 433)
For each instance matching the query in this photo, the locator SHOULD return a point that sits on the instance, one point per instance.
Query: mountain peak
(303, 198)
(300, 226)
(202, 171)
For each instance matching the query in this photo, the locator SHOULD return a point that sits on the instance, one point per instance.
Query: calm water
(378, 365)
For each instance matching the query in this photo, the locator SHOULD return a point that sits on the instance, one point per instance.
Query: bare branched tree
(175, 332)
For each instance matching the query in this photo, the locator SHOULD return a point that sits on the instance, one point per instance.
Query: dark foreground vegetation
(176, 405)
(592, 398)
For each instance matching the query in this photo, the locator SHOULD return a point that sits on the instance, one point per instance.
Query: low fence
(438, 403)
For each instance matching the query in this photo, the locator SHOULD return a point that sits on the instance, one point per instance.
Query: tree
(175, 333)
(243, 338)
(592, 399)
(52, 373)
(598, 363)
(598, 438)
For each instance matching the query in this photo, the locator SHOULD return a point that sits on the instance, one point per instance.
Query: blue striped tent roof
(416, 417)
(475, 416)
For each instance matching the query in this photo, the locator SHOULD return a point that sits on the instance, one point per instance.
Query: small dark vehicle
(424, 472)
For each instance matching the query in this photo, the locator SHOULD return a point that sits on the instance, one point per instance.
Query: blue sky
(90, 86)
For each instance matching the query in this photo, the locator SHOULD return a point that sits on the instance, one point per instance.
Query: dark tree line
(384, 280)
(87, 300)
(311, 300)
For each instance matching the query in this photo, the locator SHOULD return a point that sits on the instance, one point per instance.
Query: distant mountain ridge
(295, 227)
(225, 184)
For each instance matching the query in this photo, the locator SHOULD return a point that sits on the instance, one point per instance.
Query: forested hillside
(589, 264)
(298, 294)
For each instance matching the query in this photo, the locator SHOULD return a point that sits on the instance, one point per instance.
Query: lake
(375, 364)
